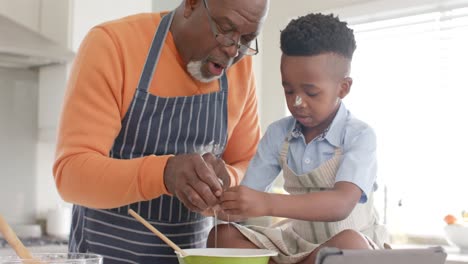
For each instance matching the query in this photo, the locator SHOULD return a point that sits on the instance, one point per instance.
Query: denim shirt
(356, 139)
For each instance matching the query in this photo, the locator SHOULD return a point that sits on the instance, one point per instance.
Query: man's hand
(245, 202)
(219, 167)
(194, 179)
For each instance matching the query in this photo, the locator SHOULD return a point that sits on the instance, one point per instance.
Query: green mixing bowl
(226, 256)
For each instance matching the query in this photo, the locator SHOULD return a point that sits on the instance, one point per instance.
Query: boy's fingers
(229, 205)
(229, 196)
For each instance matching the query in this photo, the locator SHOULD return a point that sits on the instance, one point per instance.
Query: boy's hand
(245, 202)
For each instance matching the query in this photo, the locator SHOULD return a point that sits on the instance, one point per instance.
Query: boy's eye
(312, 94)
(288, 92)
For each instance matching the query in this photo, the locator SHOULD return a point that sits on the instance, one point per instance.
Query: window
(410, 86)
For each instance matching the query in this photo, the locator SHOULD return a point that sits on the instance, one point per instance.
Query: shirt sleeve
(91, 120)
(243, 142)
(265, 167)
(359, 164)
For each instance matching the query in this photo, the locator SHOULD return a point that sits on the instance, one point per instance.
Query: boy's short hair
(315, 34)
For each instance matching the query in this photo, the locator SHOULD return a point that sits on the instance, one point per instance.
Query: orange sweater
(103, 81)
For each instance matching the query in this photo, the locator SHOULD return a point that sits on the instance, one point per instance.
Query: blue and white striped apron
(155, 125)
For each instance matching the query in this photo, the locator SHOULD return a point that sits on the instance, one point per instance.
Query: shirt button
(307, 160)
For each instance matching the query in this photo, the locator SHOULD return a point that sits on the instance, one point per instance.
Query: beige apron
(296, 239)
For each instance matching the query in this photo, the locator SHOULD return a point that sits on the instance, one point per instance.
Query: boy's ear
(345, 87)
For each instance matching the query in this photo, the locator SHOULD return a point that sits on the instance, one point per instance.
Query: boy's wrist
(269, 204)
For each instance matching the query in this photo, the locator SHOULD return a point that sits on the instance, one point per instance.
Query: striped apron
(155, 125)
(296, 239)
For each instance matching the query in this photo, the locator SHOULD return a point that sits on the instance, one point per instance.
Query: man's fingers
(206, 172)
(191, 199)
(187, 204)
(205, 193)
(222, 173)
(193, 179)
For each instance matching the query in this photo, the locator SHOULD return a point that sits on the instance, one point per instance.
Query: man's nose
(233, 50)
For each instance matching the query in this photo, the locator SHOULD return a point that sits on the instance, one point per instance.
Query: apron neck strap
(155, 51)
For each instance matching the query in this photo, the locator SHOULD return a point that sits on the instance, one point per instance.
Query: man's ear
(189, 7)
(345, 87)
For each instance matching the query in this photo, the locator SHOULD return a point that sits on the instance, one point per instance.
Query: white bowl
(457, 235)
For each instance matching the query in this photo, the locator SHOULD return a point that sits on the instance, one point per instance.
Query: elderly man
(160, 115)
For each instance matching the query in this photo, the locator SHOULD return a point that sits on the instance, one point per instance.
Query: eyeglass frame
(230, 42)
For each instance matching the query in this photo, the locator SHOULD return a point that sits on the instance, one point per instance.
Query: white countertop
(454, 256)
(39, 249)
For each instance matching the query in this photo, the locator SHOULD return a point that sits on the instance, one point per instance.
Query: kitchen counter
(37, 249)
(454, 256)
(37, 245)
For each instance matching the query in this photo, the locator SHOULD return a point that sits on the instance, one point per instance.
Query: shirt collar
(332, 134)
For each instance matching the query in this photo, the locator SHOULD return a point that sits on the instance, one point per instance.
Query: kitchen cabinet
(55, 20)
(25, 12)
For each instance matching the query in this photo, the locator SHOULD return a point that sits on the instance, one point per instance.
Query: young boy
(328, 157)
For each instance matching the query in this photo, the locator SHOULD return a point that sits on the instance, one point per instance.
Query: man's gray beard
(194, 68)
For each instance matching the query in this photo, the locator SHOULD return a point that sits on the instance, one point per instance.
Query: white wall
(165, 5)
(88, 13)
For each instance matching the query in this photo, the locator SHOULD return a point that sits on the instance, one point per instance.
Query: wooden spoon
(14, 241)
(156, 232)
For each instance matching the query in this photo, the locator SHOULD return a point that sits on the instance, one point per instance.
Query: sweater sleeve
(91, 120)
(245, 136)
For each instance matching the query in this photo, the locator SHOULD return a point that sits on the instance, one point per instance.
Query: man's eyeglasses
(226, 41)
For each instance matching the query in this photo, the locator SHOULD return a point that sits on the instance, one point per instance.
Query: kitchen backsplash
(18, 137)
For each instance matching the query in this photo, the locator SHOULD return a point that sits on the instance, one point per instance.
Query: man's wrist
(151, 176)
(166, 175)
